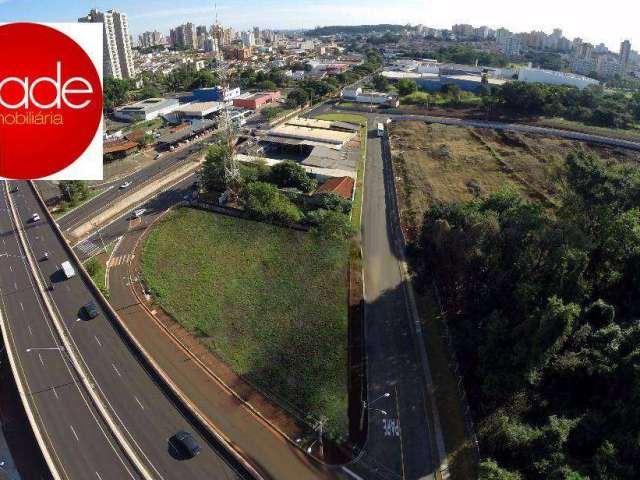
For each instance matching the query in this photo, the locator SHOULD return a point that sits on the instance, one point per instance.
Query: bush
(406, 87)
(332, 201)
(417, 98)
(331, 224)
(289, 174)
(263, 201)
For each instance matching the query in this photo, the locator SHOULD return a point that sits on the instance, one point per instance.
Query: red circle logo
(50, 101)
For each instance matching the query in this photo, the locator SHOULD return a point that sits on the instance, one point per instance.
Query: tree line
(544, 311)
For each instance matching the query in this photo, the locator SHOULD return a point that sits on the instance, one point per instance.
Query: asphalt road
(89, 209)
(79, 441)
(141, 407)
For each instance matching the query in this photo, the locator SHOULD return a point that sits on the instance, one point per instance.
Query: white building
(357, 95)
(117, 55)
(148, 109)
(550, 77)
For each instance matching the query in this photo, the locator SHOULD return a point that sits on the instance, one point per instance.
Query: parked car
(186, 444)
(125, 185)
(35, 217)
(90, 310)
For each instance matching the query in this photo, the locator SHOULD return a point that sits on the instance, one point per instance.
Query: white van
(67, 269)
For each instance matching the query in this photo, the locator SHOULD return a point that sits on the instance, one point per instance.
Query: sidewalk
(259, 442)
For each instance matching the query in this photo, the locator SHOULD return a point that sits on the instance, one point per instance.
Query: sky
(595, 21)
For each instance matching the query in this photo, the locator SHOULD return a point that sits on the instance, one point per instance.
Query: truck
(67, 269)
(380, 130)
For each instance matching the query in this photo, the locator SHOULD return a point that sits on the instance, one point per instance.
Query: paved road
(140, 406)
(80, 442)
(515, 127)
(89, 209)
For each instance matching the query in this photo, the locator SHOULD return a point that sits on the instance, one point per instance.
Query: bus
(380, 130)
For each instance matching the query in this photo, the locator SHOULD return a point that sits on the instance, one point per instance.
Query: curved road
(140, 406)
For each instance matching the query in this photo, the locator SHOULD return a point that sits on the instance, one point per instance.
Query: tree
(115, 92)
(263, 201)
(289, 174)
(332, 225)
(268, 86)
(212, 175)
(204, 79)
(297, 98)
(489, 470)
(380, 83)
(406, 87)
(73, 191)
(269, 113)
(332, 201)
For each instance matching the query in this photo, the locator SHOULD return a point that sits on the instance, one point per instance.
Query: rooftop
(343, 186)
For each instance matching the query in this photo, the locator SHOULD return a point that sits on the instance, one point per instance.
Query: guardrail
(35, 426)
(163, 381)
(70, 350)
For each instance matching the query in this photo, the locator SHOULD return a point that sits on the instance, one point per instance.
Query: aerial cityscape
(386, 251)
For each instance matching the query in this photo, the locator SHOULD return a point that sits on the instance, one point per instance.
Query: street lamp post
(366, 406)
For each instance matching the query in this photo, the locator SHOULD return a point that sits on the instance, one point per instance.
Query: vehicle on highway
(45, 256)
(67, 269)
(125, 185)
(90, 310)
(186, 444)
(138, 213)
(158, 156)
(35, 217)
(381, 130)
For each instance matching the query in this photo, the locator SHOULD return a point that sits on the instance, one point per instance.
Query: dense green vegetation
(462, 54)
(544, 311)
(270, 301)
(354, 30)
(592, 105)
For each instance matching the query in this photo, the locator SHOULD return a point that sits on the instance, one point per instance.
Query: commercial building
(186, 132)
(550, 77)
(255, 101)
(376, 98)
(148, 109)
(215, 94)
(117, 55)
(198, 109)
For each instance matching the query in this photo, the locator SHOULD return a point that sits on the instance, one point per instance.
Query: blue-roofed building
(215, 94)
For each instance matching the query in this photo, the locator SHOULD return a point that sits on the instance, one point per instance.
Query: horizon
(162, 15)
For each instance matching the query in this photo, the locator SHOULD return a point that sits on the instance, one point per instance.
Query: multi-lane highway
(137, 403)
(113, 193)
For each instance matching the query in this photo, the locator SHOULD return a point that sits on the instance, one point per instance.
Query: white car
(35, 217)
(125, 185)
(138, 213)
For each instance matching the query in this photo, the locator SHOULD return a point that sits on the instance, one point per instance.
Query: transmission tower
(227, 126)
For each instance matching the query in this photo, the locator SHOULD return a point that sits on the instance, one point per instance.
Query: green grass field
(271, 302)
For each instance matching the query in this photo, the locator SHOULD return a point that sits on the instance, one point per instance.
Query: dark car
(90, 310)
(187, 445)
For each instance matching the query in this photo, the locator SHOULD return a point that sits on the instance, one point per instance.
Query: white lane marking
(55, 393)
(15, 285)
(114, 367)
(10, 268)
(349, 472)
(98, 341)
(141, 406)
(21, 307)
(98, 475)
(74, 432)
(29, 328)
(41, 361)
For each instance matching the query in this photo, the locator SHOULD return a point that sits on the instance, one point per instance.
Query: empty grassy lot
(271, 302)
(440, 163)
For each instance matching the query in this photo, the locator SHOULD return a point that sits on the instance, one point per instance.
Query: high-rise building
(248, 39)
(150, 39)
(184, 36)
(117, 55)
(625, 51)
(256, 35)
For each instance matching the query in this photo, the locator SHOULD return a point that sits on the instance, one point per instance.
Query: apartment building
(117, 55)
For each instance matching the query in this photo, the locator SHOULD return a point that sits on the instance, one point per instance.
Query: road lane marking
(74, 432)
(114, 367)
(141, 406)
(15, 285)
(55, 393)
(10, 268)
(29, 328)
(98, 341)
(98, 475)
(21, 307)
(41, 361)
(352, 474)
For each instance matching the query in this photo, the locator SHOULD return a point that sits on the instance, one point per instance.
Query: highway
(113, 193)
(80, 443)
(140, 406)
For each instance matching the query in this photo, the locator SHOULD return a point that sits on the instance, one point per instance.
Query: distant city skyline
(609, 25)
